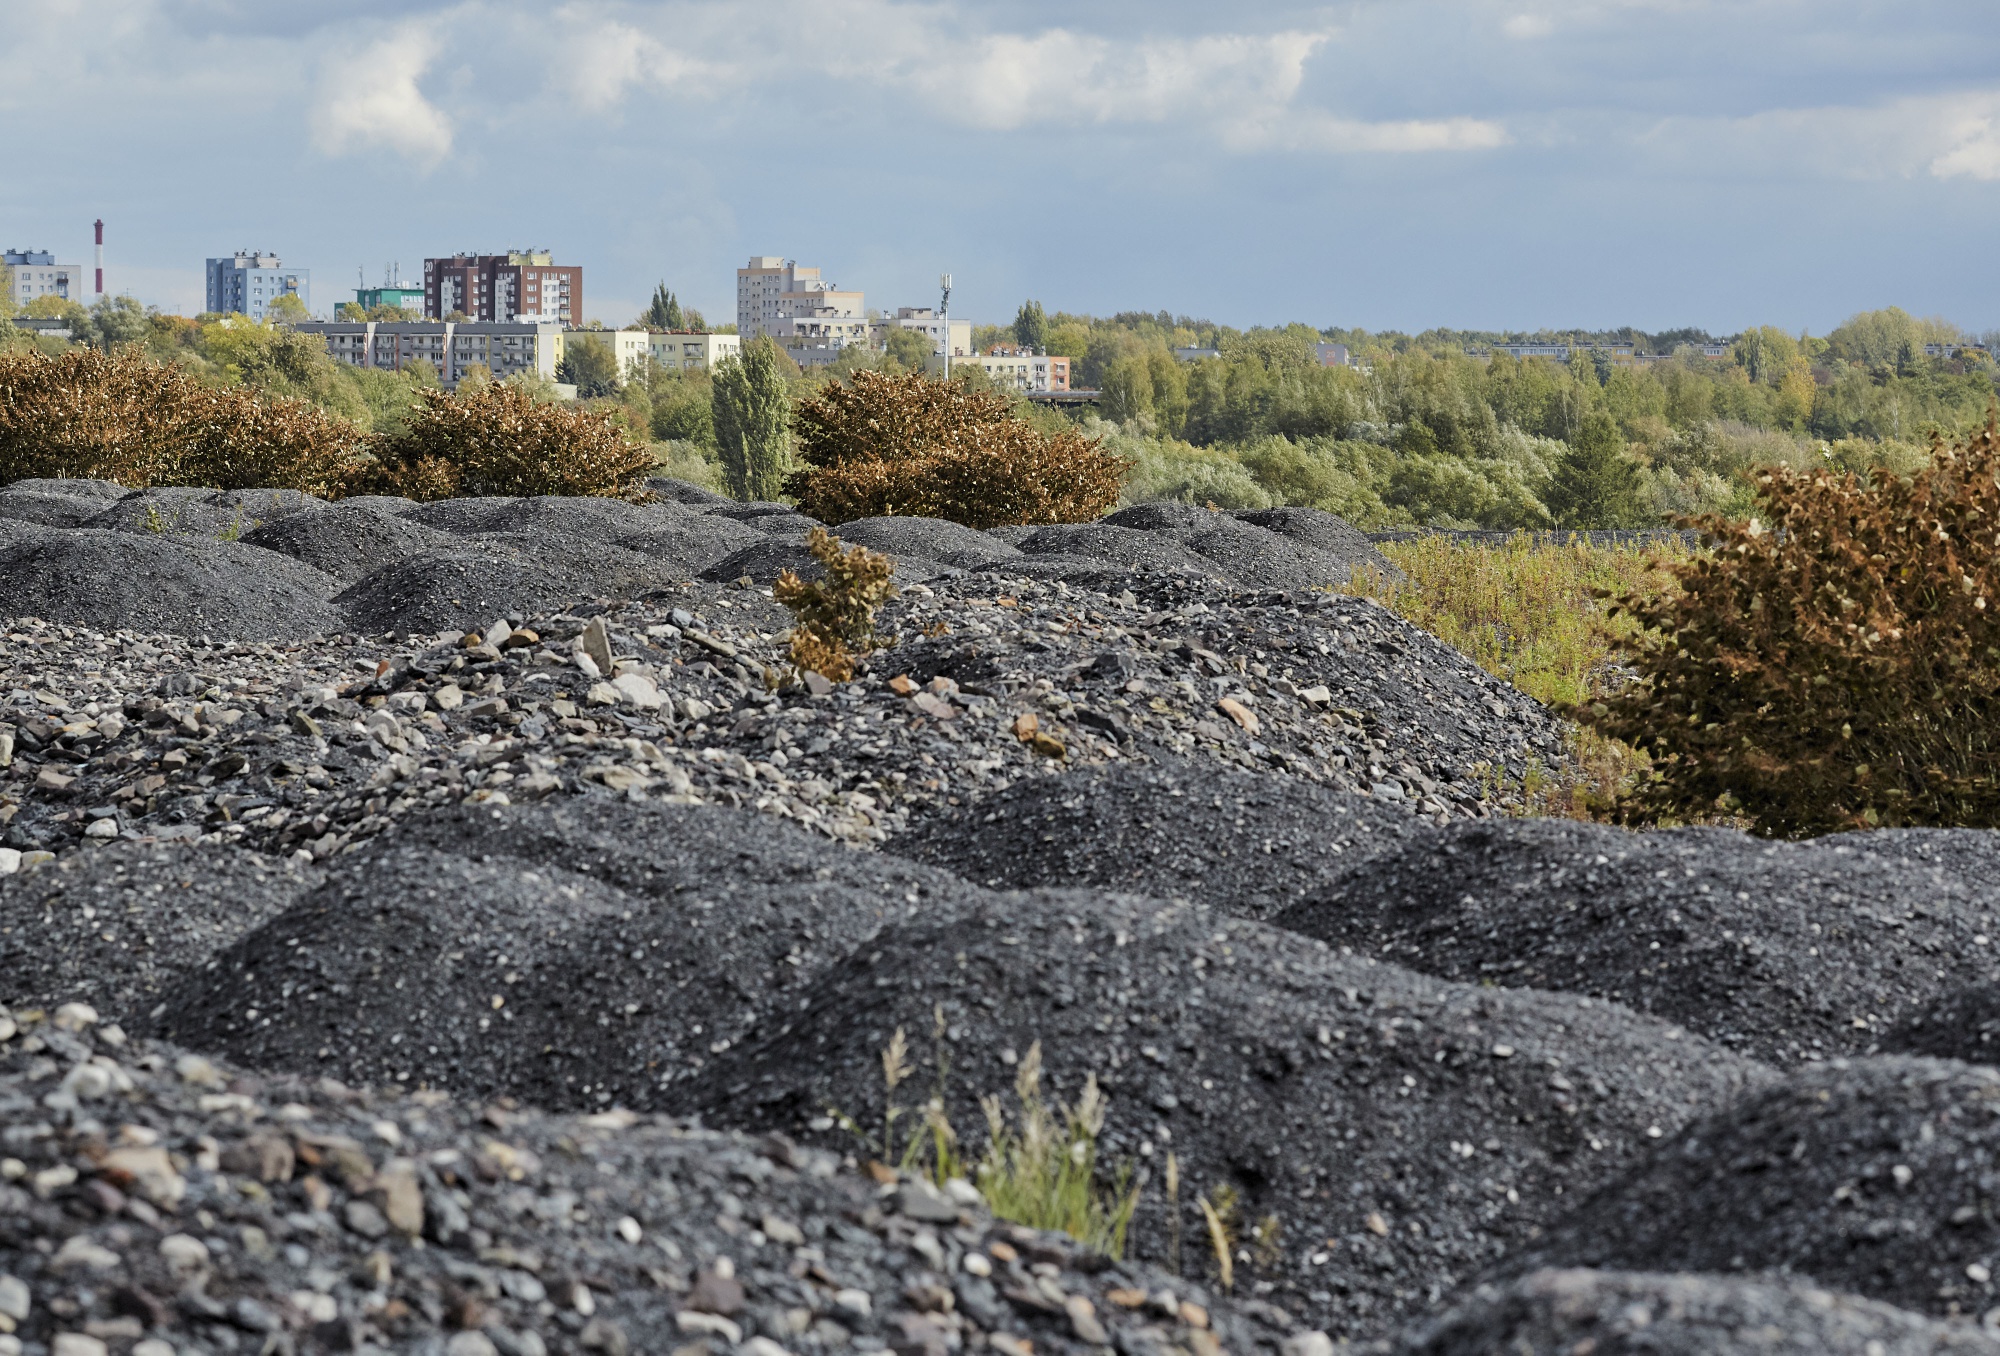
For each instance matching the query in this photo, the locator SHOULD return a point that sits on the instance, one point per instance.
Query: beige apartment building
(628, 347)
(926, 321)
(1021, 368)
(688, 352)
(809, 317)
(454, 349)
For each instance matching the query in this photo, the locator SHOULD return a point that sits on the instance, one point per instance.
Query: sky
(1395, 165)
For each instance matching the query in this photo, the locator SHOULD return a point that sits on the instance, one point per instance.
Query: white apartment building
(1021, 368)
(454, 349)
(925, 320)
(799, 309)
(629, 348)
(687, 352)
(37, 274)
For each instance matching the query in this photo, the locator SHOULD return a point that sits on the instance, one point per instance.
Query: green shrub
(499, 440)
(833, 619)
(880, 444)
(1834, 661)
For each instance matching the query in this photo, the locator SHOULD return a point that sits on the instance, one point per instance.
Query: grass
(1526, 611)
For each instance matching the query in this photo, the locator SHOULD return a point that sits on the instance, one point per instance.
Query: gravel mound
(1615, 1313)
(575, 518)
(685, 492)
(688, 545)
(230, 1212)
(347, 542)
(1870, 1176)
(267, 506)
(1239, 550)
(81, 487)
(1244, 844)
(151, 582)
(16, 530)
(1785, 951)
(784, 526)
(439, 589)
(48, 508)
(172, 511)
(1972, 855)
(626, 946)
(1123, 546)
(1963, 1024)
(112, 928)
(763, 561)
(753, 509)
(381, 503)
(1404, 1131)
(1324, 532)
(926, 539)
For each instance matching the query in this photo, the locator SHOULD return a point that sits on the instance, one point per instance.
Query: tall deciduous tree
(587, 363)
(753, 416)
(1031, 325)
(1595, 484)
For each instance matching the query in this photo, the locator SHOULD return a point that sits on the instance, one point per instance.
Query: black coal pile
(153, 582)
(113, 928)
(156, 1202)
(1871, 1176)
(1248, 845)
(1397, 1133)
(1961, 1024)
(579, 955)
(1613, 1313)
(1785, 951)
(346, 542)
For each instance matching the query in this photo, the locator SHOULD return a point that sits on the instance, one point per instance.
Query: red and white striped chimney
(100, 256)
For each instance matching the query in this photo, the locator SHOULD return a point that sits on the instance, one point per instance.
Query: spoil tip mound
(439, 589)
(1323, 532)
(1403, 1131)
(151, 582)
(346, 542)
(1249, 845)
(930, 540)
(230, 1211)
(1785, 951)
(47, 508)
(1868, 1176)
(1962, 1024)
(575, 956)
(1613, 1313)
(115, 927)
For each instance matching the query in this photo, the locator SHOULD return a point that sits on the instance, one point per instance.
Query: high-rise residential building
(524, 285)
(247, 282)
(452, 348)
(37, 274)
(808, 316)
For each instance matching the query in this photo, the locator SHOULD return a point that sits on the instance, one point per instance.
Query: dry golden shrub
(918, 447)
(833, 619)
(497, 440)
(120, 416)
(1833, 662)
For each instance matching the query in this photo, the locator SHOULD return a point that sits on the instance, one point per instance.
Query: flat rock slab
(1786, 951)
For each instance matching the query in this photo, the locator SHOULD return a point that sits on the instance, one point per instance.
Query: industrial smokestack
(100, 256)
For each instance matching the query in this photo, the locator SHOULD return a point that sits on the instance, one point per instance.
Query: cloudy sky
(1398, 164)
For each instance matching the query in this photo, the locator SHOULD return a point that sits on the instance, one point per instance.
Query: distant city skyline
(1388, 164)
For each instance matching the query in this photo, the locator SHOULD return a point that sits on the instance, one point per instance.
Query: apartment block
(1021, 368)
(925, 320)
(521, 285)
(453, 348)
(37, 274)
(629, 348)
(689, 352)
(808, 316)
(247, 282)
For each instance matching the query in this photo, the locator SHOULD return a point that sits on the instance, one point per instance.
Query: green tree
(910, 349)
(287, 309)
(1595, 484)
(118, 320)
(349, 310)
(665, 312)
(588, 365)
(752, 412)
(1031, 326)
(7, 307)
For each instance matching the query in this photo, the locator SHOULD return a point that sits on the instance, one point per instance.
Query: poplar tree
(753, 416)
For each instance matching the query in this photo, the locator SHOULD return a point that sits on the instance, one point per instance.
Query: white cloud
(1528, 26)
(1313, 130)
(370, 99)
(1942, 135)
(1976, 152)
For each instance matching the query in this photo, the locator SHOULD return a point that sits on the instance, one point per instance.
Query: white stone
(10, 861)
(77, 1344)
(639, 690)
(449, 697)
(15, 1300)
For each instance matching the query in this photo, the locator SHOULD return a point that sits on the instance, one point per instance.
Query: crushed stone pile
(1961, 1024)
(1250, 846)
(313, 747)
(1870, 1176)
(1611, 1313)
(157, 1202)
(346, 542)
(113, 928)
(1785, 951)
(1403, 1131)
(579, 955)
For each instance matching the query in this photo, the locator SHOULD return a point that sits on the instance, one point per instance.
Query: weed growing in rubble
(833, 619)
(1041, 1172)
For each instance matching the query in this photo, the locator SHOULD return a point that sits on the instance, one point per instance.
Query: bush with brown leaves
(498, 440)
(919, 447)
(1833, 662)
(833, 619)
(120, 416)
